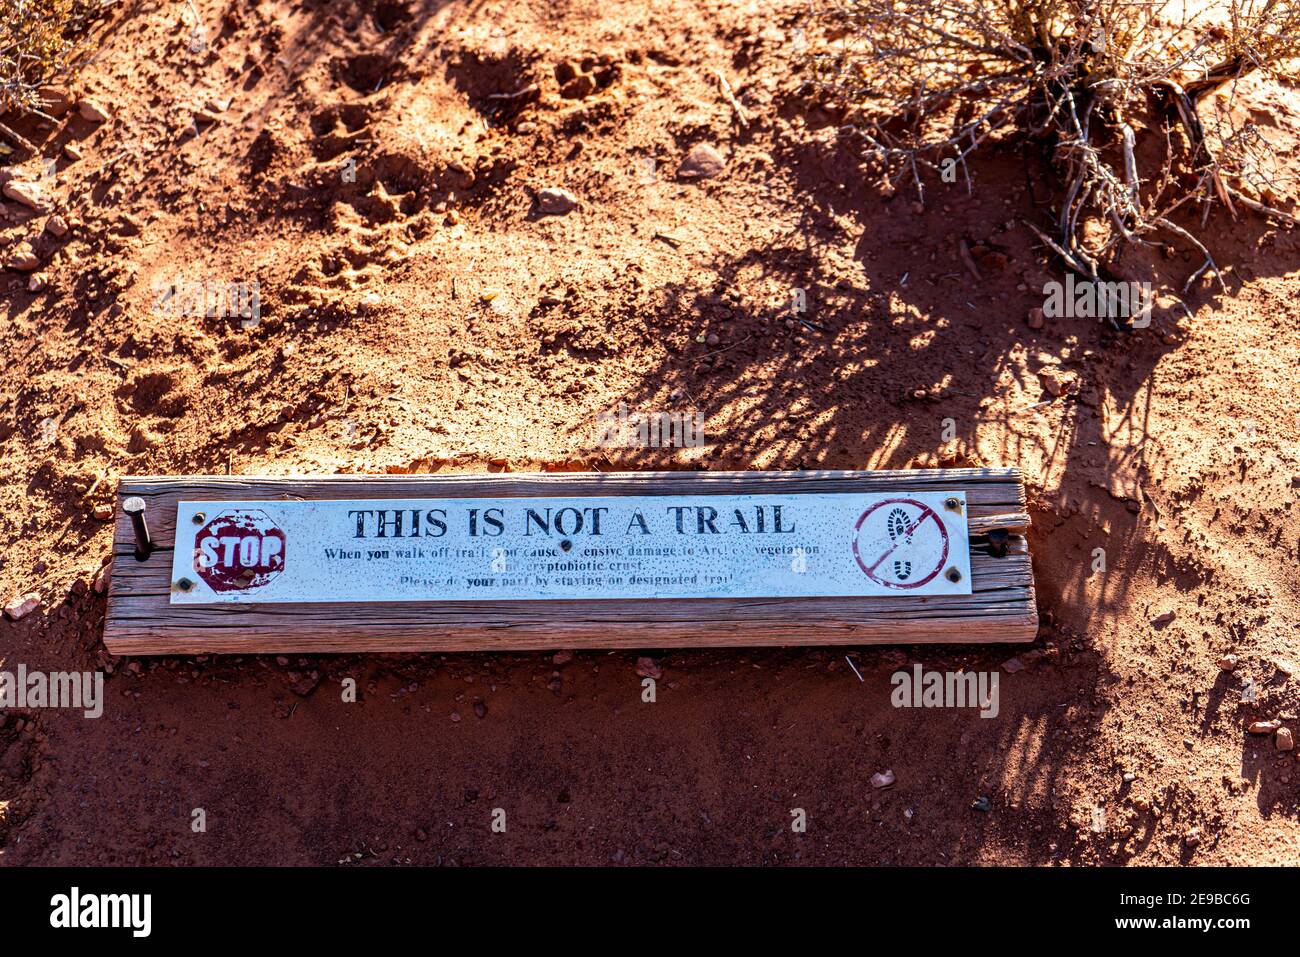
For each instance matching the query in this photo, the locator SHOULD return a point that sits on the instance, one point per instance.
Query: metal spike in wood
(508, 562)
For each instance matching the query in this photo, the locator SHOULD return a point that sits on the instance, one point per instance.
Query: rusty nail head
(184, 584)
(198, 518)
(952, 574)
(953, 504)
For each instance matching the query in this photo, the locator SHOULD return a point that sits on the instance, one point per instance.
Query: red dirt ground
(425, 317)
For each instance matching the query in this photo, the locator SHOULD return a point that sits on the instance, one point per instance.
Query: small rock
(35, 283)
(1129, 777)
(578, 88)
(455, 717)
(702, 162)
(56, 225)
(23, 258)
(648, 668)
(1284, 741)
(711, 339)
(23, 192)
(1264, 727)
(1035, 318)
(1284, 667)
(882, 779)
(55, 101)
(555, 201)
(72, 151)
(304, 684)
(981, 803)
(561, 658)
(1228, 663)
(1012, 665)
(480, 709)
(1057, 382)
(1192, 837)
(101, 579)
(22, 606)
(103, 512)
(1160, 621)
(92, 111)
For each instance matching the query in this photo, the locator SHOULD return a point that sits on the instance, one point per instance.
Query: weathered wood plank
(141, 621)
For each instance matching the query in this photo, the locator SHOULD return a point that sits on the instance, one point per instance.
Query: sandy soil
(426, 316)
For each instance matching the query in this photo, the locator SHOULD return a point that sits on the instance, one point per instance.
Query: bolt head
(133, 505)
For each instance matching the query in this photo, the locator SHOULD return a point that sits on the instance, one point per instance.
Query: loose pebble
(1057, 382)
(555, 201)
(22, 606)
(92, 111)
(648, 668)
(702, 162)
(23, 258)
(23, 192)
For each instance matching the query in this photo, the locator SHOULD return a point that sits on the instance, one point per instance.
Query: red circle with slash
(890, 558)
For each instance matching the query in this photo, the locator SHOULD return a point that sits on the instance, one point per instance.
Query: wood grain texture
(141, 620)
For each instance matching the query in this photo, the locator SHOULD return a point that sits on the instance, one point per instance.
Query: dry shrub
(927, 82)
(37, 41)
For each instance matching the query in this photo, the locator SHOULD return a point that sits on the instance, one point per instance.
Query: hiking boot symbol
(898, 525)
(899, 528)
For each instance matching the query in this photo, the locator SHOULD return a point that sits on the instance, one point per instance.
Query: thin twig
(741, 116)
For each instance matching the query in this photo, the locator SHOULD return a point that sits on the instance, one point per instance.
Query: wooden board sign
(601, 560)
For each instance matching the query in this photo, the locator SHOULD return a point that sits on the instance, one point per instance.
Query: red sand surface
(424, 316)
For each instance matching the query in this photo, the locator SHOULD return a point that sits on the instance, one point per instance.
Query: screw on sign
(239, 550)
(901, 543)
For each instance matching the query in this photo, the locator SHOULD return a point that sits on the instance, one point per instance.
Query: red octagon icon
(238, 550)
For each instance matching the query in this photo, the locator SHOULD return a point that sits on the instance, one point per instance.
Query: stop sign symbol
(239, 549)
